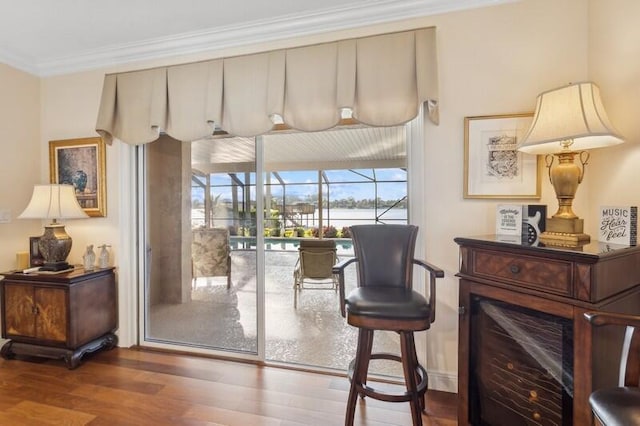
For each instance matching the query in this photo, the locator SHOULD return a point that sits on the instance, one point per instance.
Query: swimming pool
(344, 245)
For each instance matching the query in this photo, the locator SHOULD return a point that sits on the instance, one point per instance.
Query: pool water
(344, 245)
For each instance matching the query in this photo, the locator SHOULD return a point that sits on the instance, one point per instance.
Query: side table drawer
(547, 275)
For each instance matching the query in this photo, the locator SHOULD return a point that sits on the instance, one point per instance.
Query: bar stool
(620, 405)
(385, 300)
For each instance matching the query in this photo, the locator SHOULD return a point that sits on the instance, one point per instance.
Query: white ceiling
(347, 147)
(49, 37)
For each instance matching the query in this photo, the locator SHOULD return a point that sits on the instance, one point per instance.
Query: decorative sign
(619, 225)
(526, 221)
(509, 219)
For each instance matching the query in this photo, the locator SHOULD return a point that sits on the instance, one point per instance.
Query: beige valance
(382, 80)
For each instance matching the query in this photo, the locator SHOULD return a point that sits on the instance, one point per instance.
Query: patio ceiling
(352, 147)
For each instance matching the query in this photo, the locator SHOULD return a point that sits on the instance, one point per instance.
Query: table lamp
(54, 202)
(568, 121)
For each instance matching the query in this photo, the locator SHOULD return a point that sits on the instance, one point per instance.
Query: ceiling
(46, 37)
(347, 147)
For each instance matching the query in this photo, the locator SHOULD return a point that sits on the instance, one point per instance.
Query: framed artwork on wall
(81, 163)
(493, 168)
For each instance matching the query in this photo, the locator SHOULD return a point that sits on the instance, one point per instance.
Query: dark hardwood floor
(134, 387)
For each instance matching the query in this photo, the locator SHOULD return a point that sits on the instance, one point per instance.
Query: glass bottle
(103, 260)
(89, 258)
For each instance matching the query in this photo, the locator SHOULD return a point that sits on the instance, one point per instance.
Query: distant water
(347, 217)
(338, 218)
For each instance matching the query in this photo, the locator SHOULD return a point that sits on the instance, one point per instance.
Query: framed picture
(493, 168)
(35, 257)
(81, 163)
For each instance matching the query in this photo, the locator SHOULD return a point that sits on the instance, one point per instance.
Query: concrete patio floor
(313, 334)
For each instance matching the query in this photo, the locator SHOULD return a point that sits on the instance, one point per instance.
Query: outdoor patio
(314, 334)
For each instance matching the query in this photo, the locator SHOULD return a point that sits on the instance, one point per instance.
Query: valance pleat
(194, 98)
(381, 79)
(134, 106)
(312, 78)
(386, 91)
(253, 90)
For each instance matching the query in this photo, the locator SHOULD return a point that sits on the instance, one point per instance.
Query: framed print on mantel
(493, 168)
(81, 163)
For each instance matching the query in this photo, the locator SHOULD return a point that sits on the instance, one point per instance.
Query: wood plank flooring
(134, 387)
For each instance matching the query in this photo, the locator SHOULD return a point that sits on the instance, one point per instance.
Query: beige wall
(613, 175)
(69, 110)
(20, 167)
(492, 61)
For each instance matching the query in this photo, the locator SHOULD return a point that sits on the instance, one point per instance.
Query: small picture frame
(81, 163)
(493, 168)
(35, 257)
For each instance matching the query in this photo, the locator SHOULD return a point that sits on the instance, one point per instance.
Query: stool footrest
(389, 397)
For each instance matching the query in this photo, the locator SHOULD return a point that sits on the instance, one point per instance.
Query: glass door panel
(200, 222)
(317, 185)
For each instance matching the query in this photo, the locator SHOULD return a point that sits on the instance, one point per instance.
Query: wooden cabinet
(59, 315)
(527, 355)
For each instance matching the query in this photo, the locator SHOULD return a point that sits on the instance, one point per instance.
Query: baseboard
(444, 382)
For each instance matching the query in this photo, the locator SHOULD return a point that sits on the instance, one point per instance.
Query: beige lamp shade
(571, 118)
(53, 202)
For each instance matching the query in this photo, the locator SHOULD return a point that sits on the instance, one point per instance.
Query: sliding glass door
(224, 219)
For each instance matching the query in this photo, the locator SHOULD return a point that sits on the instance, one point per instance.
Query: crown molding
(21, 62)
(283, 27)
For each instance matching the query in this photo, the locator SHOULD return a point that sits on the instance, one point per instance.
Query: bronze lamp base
(55, 246)
(564, 232)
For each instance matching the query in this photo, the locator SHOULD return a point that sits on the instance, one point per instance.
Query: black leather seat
(385, 300)
(620, 406)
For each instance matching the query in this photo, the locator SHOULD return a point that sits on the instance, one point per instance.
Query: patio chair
(211, 254)
(315, 267)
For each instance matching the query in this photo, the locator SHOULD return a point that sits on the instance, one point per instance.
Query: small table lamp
(567, 121)
(54, 202)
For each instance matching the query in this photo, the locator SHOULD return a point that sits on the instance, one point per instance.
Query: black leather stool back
(385, 254)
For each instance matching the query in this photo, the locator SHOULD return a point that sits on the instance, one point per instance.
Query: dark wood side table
(526, 353)
(63, 315)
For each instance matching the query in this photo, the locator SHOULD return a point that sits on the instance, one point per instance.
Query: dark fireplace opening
(521, 366)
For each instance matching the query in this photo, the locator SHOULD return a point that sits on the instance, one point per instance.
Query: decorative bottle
(89, 258)
(103, 260)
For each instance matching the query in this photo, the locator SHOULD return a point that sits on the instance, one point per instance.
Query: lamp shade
(569, 113)
(53, 202)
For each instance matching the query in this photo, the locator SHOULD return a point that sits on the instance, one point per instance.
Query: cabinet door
(51, 314)
(19, 306)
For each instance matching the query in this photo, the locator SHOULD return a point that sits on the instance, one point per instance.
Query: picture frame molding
(100, 209)
(533, 165)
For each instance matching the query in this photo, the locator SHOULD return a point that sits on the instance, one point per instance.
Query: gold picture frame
(493, 168)
(81, 163)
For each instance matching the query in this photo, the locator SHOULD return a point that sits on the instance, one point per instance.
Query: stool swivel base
(415, 376)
